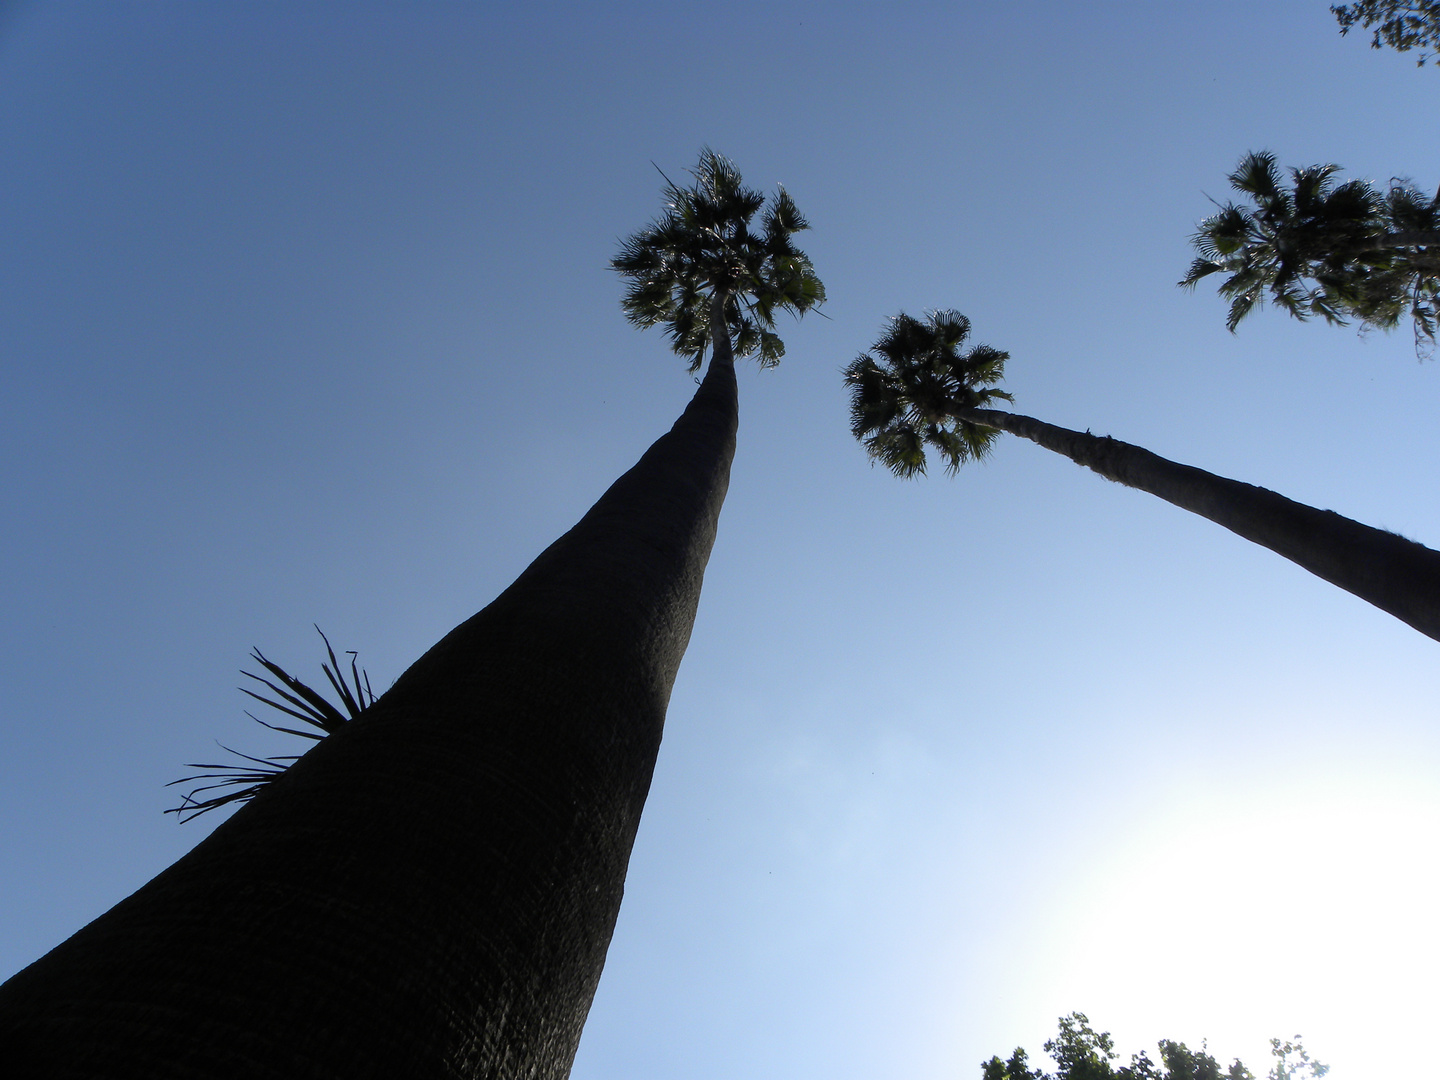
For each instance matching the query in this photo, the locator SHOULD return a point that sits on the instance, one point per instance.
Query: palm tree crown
(910, 393)
(920, 390)
(1320, 247)
(702, 249)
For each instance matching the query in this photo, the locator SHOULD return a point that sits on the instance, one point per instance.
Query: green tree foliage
(920, 390)
(1292, 1062)
(702, 250)
(1401, 25)
(905, 398)
(1317, 246)
(1082, 1053)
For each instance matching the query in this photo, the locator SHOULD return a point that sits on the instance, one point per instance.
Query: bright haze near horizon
(305, 317)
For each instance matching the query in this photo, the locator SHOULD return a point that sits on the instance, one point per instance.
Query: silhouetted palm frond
(237, 782)
(703, 245)
(908, 396)
(1341, 251)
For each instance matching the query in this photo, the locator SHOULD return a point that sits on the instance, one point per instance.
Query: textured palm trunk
(430, 892)
(1395, 574)
(1387, 241)
(1428, 244)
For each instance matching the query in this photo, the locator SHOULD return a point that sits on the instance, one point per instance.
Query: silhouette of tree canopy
(1402, 26)
(1082, 1053)
(1316, 246)
(906, 397)
(702, 251)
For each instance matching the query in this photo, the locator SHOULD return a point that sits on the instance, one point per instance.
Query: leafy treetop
(1082, 1053)
(702, 248)
(1316, 246)
(912, 393)
(1401, 25)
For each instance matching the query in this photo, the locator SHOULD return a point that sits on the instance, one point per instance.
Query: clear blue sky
(305, 317)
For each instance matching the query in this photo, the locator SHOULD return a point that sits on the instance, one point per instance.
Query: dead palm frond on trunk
(241, 780)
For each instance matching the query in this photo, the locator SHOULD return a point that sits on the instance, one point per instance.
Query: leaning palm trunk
(430, 892)
(1395, 574)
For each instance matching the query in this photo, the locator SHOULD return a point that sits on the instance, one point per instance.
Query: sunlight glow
(1306, 910)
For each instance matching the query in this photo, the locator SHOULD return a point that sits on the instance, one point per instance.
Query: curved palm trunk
(429, 892)
(1395, 574)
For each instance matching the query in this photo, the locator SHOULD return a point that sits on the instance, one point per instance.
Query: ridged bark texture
(430, 892)
(1395, 574)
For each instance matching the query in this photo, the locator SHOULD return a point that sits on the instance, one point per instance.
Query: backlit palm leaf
(1318, 247)
(702, 246)
(906, 397)
(236, 782)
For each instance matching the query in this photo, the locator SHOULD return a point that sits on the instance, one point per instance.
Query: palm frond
(703, 244)
(907, 392)
(237, 782)
(1258, 176)
(1319, 247)
(244, 783)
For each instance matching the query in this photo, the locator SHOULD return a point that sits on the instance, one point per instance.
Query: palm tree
(700, 265)
(430, 891)
(1319, 247)
(919, 390)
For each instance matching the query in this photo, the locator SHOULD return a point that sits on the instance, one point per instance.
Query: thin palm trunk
(1427, 255)
(1386, 241)
(1395, 574)
(430, 892)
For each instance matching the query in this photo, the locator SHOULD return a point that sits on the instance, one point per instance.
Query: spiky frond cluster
(1401, 24)
(1319, 247)
(703, 245)
(237, 783)
(906, 395)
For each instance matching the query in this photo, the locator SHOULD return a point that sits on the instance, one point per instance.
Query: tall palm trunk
(1395, 574)
(430, 892)
(1395, 240)
(1425, 257)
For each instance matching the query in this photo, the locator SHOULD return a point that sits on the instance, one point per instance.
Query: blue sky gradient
(305, 317)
